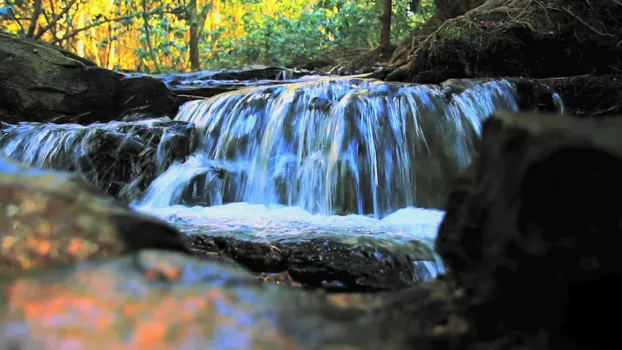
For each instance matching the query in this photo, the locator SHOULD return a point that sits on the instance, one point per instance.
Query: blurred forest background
(189, 35)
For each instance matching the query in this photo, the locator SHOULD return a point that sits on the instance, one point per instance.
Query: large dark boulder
(537, 39)
(532, 230)
(37, 83)
(49, 218)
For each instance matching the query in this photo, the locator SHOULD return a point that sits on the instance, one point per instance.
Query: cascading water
(118, 157)
(335, 146)
(276, 163)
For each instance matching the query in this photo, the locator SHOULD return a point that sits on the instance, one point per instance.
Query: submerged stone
(333, 263)
(339, 253)
(51, 218)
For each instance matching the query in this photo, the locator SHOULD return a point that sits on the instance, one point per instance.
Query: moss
(462, 34)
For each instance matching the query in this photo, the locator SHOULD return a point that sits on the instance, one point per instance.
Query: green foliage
(154, 36)
(330, 25)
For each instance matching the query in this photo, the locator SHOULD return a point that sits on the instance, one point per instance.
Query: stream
(342, 159)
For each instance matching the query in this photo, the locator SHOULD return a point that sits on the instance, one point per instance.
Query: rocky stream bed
(464, 200)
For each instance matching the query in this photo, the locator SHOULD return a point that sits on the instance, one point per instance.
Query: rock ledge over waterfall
(39, 84)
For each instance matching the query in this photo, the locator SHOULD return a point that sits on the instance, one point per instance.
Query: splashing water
(271, 224)
(336, 146)
(118, 157)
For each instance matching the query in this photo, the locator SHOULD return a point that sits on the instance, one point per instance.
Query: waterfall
(287, 162)
(332, 146)
(121, 158)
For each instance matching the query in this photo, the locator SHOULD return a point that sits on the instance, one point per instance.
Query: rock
(577, 93)
(256, 73)
(532, 230)
(443, 11)
(162, 300)
(39, 84)
(50, 218)
(58, 48)
(537, 39)
(209, 83)
(121, 158)
(338, 262)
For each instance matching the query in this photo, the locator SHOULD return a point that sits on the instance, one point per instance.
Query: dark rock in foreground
(329, 261)
(121, 158)
(50, 218)
(532, 231)
(537, 39)
(39, 84)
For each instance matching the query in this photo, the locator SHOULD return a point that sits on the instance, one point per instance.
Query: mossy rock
(523, 38)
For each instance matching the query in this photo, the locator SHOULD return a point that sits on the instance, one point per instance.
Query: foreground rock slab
(337, 253)
(164, 300)
(532, 230)
(52, 218)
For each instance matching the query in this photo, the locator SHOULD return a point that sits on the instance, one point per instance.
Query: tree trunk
(195, 63)
(385, 34)
(152, 54)
(36, 11)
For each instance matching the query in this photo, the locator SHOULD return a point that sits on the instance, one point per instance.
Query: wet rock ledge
(39, 84)
(531, 238)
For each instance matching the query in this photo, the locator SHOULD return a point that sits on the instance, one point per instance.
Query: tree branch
(107, 20)
(47, 20)
(204, 12)
(33, 21)
(19, 23)
(54, 20)
(148, 37)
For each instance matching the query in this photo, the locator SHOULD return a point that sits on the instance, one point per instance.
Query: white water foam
(276, 223)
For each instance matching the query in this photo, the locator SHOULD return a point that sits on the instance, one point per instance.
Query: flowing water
(334, 146)
(342, 158)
